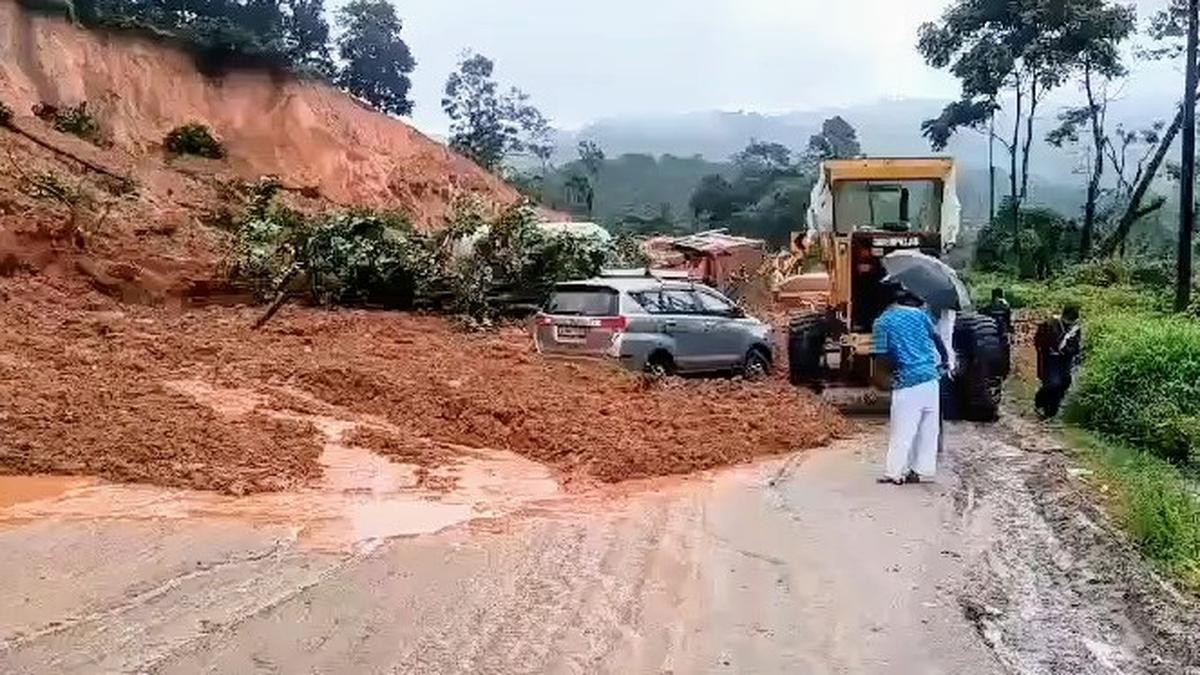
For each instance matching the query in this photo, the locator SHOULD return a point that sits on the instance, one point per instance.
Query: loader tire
(978, 385)
(805, 347)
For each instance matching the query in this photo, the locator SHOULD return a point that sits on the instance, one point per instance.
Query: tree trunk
(1093, 191)
(1187, 174)
(1132, 210)
(1027, 149)
(1014, 201)
(992, 167)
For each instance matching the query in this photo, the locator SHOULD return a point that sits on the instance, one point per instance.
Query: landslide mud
(92, 387)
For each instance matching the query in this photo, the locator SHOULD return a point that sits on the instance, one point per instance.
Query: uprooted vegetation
(86, 210)
(478, 265)
(193, 139)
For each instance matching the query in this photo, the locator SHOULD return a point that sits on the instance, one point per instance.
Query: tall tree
(591, 155)
(1093, 31)
(487, 124)
(770, 158)
(1187, 179)
(376, 59)
(714, 199)
(307, 36)
(1014, 49)
(1169, 29)
(837, 140)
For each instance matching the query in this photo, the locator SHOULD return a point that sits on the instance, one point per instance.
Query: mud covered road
(798, 565)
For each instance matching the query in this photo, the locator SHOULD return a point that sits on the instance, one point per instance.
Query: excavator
(861, 210)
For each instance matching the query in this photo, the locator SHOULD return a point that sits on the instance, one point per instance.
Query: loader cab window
(892, 206)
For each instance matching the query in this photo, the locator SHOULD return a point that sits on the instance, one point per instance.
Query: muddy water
(18, 489)
(361, 498)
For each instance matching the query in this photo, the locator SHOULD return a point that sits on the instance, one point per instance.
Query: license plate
(571, 332)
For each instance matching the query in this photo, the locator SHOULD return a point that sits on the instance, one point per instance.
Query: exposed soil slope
(305, 132)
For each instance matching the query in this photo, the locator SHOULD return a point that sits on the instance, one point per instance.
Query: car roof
(634, 284)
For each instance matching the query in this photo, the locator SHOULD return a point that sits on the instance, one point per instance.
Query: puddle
(18, 489)
(361, 497)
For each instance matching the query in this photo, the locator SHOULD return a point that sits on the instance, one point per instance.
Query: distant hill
(655, 163)
(884, 128)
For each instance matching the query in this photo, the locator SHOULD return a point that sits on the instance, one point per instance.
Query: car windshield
(583, 301)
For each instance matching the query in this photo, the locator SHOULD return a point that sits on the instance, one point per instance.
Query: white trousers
(913, 436)
(945, 329)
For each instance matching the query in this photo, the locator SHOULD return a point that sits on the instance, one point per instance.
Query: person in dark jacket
(1000, 311)
(1058, 342)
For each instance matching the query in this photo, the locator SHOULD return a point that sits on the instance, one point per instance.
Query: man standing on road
(906, 340)
(1058, 343)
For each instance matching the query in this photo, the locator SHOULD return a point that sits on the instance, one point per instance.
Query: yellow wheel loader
(861, 210)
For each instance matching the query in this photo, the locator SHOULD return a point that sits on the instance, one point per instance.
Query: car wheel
(757, 365)
(658, 366)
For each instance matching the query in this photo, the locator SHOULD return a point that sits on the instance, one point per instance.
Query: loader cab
(878, 206)
(872, 218)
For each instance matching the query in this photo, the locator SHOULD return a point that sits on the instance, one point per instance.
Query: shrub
(1048, 297)
(1101, 273)
(6, 114)
(1142, 384)
(75, 120)
(193, 139)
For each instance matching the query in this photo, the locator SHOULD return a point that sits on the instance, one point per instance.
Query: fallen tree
(478, 266)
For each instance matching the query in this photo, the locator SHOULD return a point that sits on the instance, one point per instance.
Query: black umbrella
(928, 278)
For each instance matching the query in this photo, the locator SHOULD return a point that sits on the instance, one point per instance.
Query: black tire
(660, 365)
(757, 365)
(978, 384)
(805, 347)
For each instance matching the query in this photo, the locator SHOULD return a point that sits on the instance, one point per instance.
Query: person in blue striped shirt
(907, 343)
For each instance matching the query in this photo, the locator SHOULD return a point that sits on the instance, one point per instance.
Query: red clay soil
(315, 138)
(84, 389)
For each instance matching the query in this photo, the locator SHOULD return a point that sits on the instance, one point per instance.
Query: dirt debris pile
(87, 387)
(107, 250)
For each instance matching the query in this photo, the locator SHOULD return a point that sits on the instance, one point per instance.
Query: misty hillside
(884, 128)
(656, 161)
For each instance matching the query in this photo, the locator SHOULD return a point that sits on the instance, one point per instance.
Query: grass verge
(1156, 502)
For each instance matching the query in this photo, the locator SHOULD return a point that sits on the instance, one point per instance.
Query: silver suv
(653, 324)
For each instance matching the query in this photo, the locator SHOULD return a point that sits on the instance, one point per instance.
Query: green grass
(1153, 500)
(1134, 413)
(1048, 297)
(1141, 384)
(1140, 381)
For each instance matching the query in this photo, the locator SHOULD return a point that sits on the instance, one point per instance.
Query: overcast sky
(581, 61)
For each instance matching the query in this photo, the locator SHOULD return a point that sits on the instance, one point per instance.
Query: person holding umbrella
(920, 354)
(907, 343)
